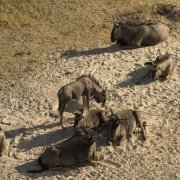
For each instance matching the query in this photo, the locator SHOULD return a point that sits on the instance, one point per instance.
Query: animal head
(78, 116)
(157, 66)
(114, 130)
(100, 97)
(115, 26)
(156, 70)
(105, 115)
(88, 134)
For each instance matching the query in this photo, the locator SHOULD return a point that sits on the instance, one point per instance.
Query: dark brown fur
(85, 86)
(75, 151)
(91, 118)
(139, 35)
(122, 126)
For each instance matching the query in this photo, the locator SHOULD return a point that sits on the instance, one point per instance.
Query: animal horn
(117, 17)
(112, 111)
(116, 20)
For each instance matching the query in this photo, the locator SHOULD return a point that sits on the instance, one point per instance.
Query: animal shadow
(33, 165)
(74, 53)
(140, 76)
(45, 139)
(25, 131)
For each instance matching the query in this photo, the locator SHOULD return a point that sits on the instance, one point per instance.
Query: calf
(162, 67)
(122, 125)
(91, 118)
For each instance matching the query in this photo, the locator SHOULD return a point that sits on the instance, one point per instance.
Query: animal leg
(84, 101)
(61, 115)
(87, 99)
(139, 123)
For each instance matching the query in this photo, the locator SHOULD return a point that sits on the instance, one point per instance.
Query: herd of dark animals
(120, 125)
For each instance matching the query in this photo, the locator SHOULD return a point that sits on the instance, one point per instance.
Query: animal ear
(116, 25)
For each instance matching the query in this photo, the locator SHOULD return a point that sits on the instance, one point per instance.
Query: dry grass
(40, 27)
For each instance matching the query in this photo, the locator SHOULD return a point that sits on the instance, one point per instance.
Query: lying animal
(162, 67)
(91, 118)
(77, 150)
(122, 125)
(134, 36)
(85, 86)
(4, 147)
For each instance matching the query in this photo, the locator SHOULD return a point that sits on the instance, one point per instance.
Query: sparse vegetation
(40, 27)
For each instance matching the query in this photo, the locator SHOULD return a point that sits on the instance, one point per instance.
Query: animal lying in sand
(134, 36)
(162, 67)
(91, 118)
(122, 125)
(4, 147)
(86, 86)
(77, 150)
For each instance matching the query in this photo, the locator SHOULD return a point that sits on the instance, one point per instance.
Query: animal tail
(136, 115)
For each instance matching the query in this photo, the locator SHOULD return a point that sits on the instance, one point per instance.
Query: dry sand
(26, 102)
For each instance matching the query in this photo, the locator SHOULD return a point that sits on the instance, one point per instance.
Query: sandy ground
(28, 103)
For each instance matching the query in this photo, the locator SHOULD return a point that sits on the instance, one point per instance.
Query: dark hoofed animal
(122, 125)
(162, 67)
(4, 147)
(91, 118)
(134, 36)
(75, 151)
(86, 86)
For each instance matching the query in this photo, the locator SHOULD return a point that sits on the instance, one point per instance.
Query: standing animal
(134, 36)
(85, 86)
(4, 147)
(122, 125)
(77, 150)
(91, 118)
(162, 67)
